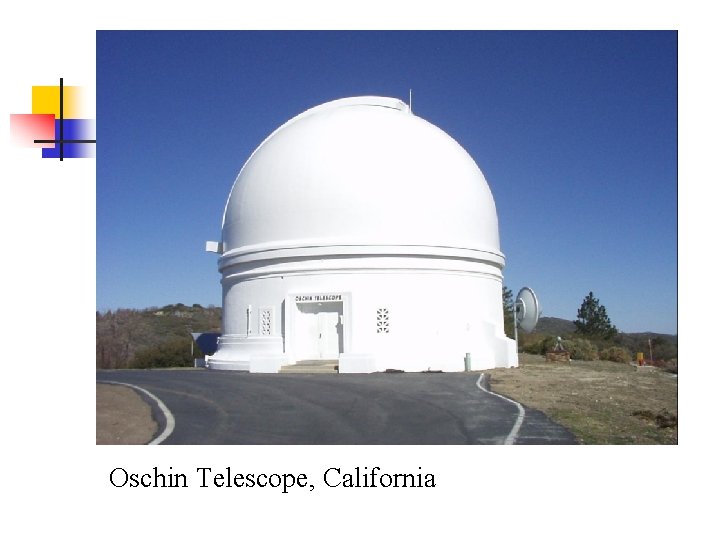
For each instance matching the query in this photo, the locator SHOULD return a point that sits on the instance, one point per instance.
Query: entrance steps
(312, 366)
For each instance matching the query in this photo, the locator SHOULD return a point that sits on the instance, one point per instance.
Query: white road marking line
(169, 418)
(510, 439)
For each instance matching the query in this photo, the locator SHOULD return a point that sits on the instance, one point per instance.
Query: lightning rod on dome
(410, 100)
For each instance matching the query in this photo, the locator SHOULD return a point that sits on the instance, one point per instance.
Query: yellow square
(46, 100)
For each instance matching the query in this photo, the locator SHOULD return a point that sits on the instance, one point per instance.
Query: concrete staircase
(312, 366)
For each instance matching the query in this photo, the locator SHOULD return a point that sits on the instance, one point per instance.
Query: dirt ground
(601, 402)
(121, 416)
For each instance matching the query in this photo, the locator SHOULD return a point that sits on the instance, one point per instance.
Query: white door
(306, 335)
(328, 327)
(318, 331)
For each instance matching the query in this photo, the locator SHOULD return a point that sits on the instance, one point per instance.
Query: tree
(508, 308)
(593, 320)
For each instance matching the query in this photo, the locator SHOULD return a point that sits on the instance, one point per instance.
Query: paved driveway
(214, 407)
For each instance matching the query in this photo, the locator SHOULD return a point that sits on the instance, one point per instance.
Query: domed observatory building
(361, 233)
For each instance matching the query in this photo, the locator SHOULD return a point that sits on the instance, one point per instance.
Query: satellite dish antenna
(527, 311)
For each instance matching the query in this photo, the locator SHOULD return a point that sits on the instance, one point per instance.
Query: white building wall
(434, 319)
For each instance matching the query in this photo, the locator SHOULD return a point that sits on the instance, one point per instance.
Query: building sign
(305, 298)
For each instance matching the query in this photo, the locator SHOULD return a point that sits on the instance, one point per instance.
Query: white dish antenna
(527, 311)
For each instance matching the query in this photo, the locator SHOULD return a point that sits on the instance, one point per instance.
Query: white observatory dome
(360, 234)
(378, 176)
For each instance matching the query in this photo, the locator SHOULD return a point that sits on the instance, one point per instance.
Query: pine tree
(508, 307)
(593, 319)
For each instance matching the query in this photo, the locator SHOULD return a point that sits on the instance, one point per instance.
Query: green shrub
(537, 343)
(581, 349)
(172, 353)
(616, 354)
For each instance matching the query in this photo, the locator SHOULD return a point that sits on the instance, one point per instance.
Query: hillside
(664, 346)
(554, 326)
(122, 335)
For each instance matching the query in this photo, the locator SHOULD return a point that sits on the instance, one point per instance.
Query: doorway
(319, 330)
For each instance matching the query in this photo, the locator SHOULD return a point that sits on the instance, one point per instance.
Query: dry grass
(601, 402)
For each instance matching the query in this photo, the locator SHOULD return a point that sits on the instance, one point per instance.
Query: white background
(54, 478)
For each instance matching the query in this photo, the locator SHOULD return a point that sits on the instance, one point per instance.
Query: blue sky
(576, 133)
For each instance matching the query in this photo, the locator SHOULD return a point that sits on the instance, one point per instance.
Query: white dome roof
(361, 174)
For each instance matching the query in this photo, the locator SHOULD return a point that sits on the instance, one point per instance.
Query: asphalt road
(213, 407)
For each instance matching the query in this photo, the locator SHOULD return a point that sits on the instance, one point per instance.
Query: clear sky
(576, 133)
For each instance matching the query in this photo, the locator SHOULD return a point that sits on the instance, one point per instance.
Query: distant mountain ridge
(652, 344)
(561, 327)
(554, 326)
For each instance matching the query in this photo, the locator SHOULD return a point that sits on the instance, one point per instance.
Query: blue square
(73, 129)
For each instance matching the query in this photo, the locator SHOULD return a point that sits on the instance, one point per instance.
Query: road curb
(159, 411)
(484, 381)
(485, 387)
